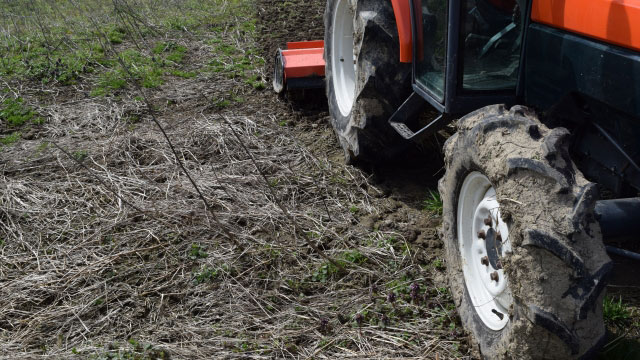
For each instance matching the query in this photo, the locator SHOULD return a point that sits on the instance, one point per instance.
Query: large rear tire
(538, 292)
(365, 81)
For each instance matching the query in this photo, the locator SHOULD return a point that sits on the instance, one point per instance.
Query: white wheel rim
(490, 298)
(343, 58)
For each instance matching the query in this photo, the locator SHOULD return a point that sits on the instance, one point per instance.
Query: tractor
(543, 167)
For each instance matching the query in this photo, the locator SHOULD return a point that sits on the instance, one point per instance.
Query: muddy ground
(108, 250)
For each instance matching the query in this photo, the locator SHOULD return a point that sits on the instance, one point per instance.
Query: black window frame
(456, 100)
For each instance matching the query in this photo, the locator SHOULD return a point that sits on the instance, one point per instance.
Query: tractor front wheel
(525, 257)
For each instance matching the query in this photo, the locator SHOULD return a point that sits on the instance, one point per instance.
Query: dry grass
(82, 269)
(107, 251)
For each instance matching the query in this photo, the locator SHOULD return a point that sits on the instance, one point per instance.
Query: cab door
(467, 52)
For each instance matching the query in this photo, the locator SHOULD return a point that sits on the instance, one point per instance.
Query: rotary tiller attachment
(299, 66)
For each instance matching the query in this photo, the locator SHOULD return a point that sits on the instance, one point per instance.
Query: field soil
(184, 210)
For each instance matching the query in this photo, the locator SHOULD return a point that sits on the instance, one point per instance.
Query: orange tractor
(545, 95)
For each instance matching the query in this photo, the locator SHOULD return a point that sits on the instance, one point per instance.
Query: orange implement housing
(301, 65)
(612, 21)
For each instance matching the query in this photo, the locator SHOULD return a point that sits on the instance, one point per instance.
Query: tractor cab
(467, 52)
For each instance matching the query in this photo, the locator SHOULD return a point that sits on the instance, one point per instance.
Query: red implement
(300, 66)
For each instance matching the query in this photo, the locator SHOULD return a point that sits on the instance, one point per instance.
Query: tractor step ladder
(407, 112)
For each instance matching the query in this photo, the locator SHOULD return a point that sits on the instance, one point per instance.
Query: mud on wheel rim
(483, 239)
(342, 59)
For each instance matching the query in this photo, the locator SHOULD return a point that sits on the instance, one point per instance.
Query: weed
(182, 23)
(354, 209)
(325, 272)
(225, 49)
(615, 312)
(217, 66)
(387, 241)
(354, 257)
(438, 264)
(229, 269)
(206, 274)
(183, 74)
(197, 252)
(80, 155)
(433, 203)
(222, 104)
(257, 82)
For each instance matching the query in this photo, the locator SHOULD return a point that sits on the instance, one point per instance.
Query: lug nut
(485, 260)
(488, 221)
(494, 276)
(482, 234)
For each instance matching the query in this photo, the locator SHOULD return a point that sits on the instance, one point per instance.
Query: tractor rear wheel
(525, 258)
(365, 81)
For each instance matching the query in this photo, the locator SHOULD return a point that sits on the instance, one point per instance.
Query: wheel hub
(483, 241)
(343, 61)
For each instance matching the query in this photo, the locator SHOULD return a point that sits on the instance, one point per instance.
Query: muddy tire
(363, 98)
(556, 266)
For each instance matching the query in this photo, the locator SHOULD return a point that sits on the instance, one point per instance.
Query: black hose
(622, 252)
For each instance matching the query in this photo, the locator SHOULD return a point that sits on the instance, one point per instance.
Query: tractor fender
(402, 12)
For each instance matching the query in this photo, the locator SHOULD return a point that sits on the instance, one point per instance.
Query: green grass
(75, 49)
(109, 82)
(10, 139)
(222, 104)
(615, 312)
(433, 203)
(15, 113)
(172, 51)
(116, 35)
